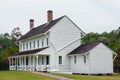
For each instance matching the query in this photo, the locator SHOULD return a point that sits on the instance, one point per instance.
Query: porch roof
(84, 48)
(29, 51)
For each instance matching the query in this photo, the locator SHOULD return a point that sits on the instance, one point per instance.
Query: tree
(16, 33)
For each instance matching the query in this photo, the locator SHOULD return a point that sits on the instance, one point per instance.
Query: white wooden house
(56, 46)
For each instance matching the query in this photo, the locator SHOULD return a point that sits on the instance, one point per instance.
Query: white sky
(89, 15)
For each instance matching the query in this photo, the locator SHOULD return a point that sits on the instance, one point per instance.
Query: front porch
(30, 62)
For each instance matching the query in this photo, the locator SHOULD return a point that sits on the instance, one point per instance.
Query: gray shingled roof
(40, 29)
(84, 48)
(29, 51)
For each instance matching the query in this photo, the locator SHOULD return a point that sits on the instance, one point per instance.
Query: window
(38, 43)
(26, 45)
(33, 44)
(84, 58)
(30, 45)
(27, 59)
(47, 60)
(60, 59)
(75, 59)
(23, 46)
(42, 42)
(20, 47)
(47, 41)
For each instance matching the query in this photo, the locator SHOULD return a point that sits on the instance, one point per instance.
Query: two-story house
(56, 46)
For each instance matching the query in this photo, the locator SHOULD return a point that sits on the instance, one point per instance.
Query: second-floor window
(38, 43)
(42, 42)
(30, 45)
(20, 47)
(26, 45)
(33, 44)
(23, 46)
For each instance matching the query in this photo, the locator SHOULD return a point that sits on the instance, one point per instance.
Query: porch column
(12, 61)
(15, 63)
(37, 62)
(9, 59)
(30, 60)
(29, 63)
(22, 59)
(20, 62)
(34, 61)
(25, 62)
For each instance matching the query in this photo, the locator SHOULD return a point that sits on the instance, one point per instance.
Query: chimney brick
(31, 24)
(49, 15)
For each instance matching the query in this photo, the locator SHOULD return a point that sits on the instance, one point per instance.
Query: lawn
(22, 75)
(86, 77)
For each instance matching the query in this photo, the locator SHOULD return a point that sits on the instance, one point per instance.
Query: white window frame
(75, 59)
(85, 59)
(60, 59)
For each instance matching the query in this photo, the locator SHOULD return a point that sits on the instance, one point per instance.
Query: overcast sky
(89, 15)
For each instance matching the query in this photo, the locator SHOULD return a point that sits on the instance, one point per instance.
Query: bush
(4, 66)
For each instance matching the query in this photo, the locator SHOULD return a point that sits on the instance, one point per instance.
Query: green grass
(86, 77)
(22, 75)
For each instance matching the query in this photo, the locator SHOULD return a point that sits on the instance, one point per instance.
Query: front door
(26, 60)
(47, 60)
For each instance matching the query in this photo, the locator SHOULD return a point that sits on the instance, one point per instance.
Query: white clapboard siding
(80, 66)
(53, 57)
(65, 37)
(40, 38)
(63, 33)
(101, 59)
(64, 53)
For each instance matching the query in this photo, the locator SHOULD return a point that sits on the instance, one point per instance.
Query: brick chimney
(49, 15)
(31, 24)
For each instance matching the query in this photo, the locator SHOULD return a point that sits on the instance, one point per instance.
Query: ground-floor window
(84, 58)
(60, 59)
(47, 60)
(75, 59)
